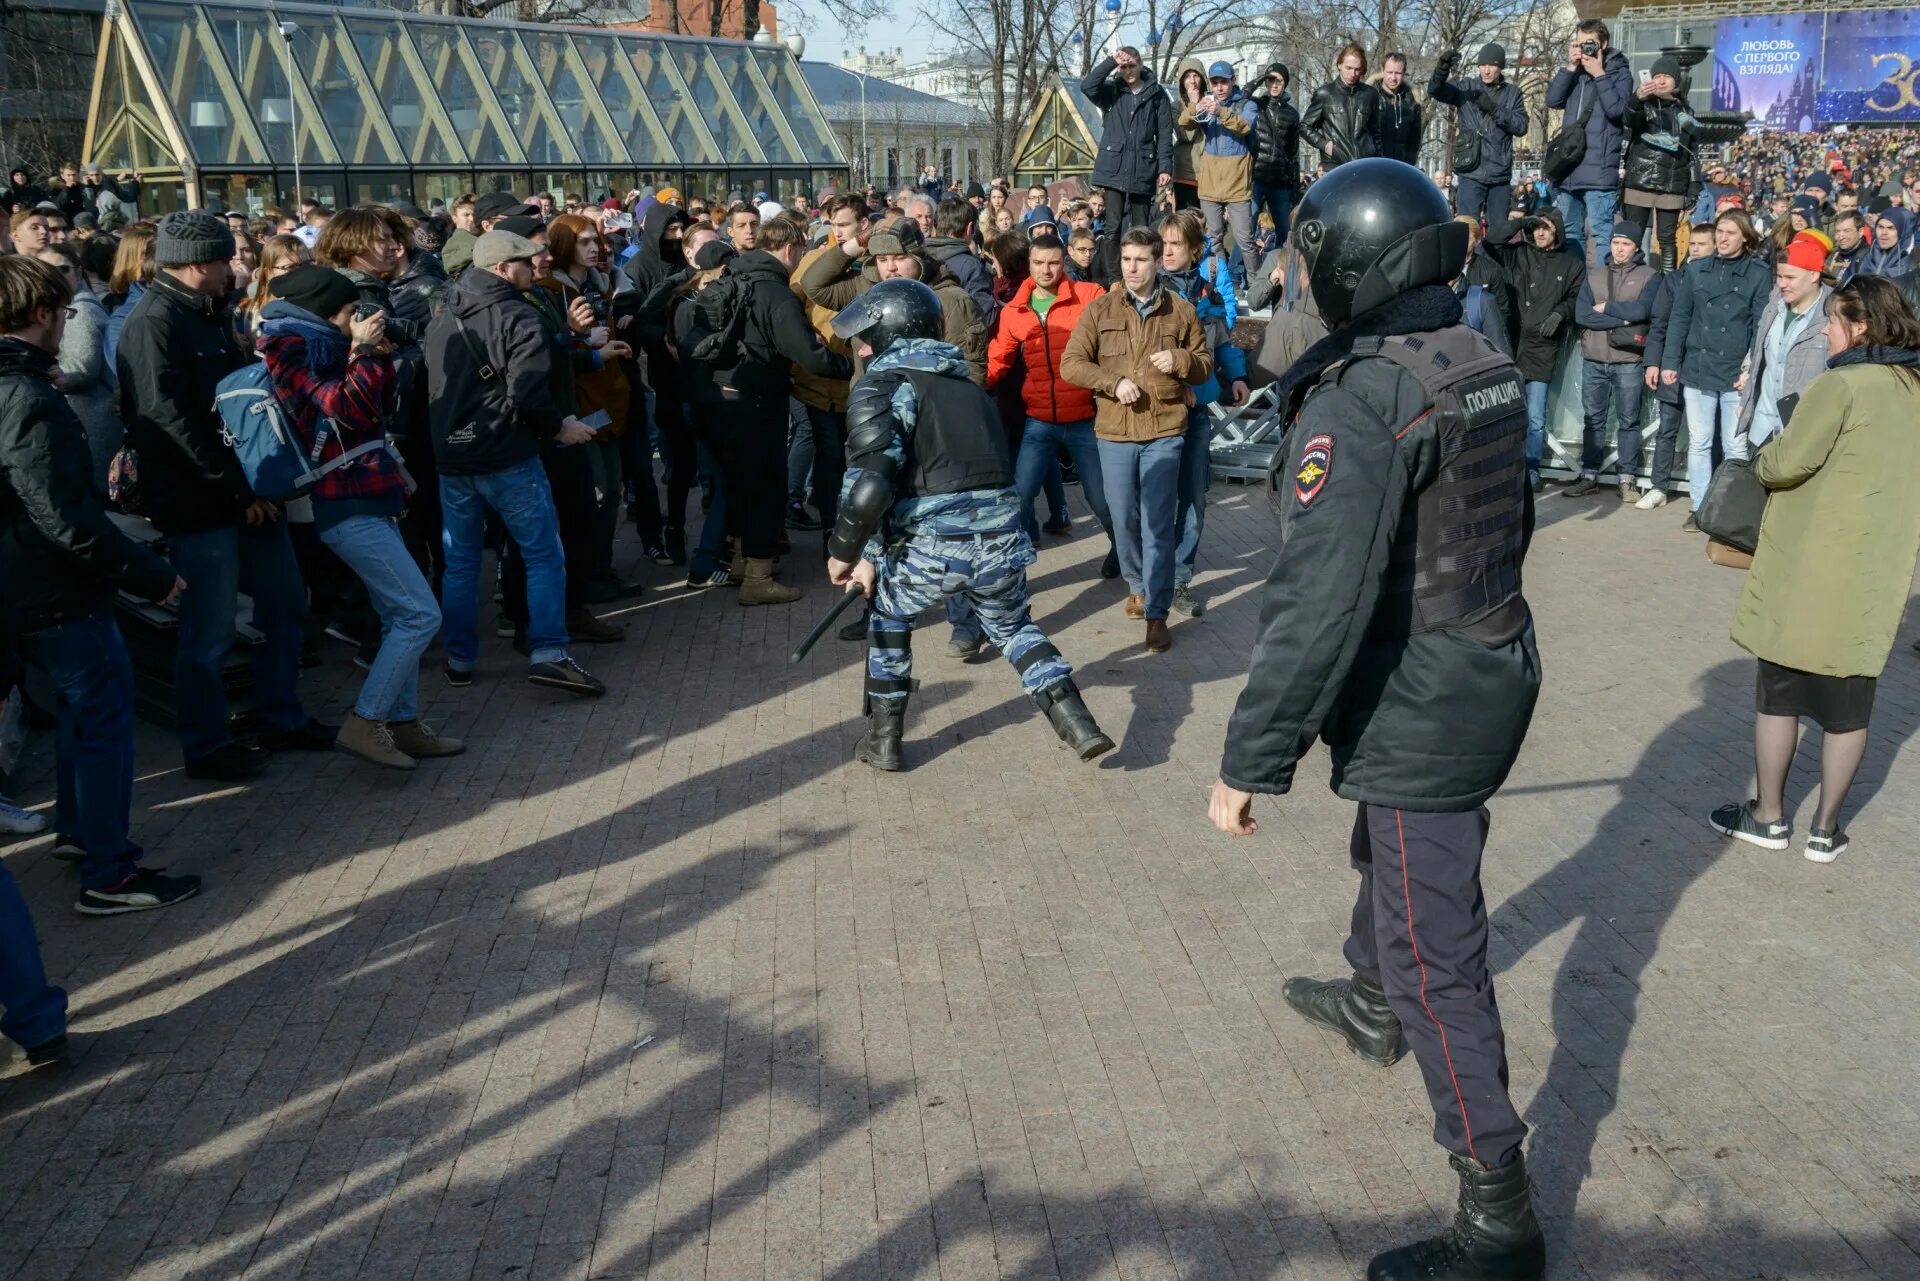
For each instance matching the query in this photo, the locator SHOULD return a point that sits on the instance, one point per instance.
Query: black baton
(853, 594)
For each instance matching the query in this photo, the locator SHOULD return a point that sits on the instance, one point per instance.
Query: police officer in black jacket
(1394, 628)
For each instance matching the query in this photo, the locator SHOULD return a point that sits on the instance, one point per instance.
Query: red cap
(1808, 251)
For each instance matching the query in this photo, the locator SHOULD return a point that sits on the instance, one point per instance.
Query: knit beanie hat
(189, 236)
(1666, 65)
(1625, 229)
(1808, 251)
(321, 290)
(1493, 55)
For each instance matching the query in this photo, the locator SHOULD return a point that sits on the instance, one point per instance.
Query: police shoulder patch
(1316, 463)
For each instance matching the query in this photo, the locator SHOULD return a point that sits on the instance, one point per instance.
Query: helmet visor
(855, 319)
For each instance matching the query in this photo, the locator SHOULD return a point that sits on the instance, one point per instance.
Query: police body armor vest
(957, 442)
(1457, 568)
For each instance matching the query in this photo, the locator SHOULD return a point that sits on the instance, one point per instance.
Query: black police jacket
(61, 556)
(1344, 117)
(1427, 720)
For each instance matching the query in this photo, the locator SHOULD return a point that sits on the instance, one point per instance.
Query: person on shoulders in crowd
(1592, 92)
(332, 367)
(1790, 343)
(62, 559)
(1276, 149)
(1546, 281)
(1717, 306)
(224, 539)
(1141, 350)
(1612, 310)
(1398, 124)
(1340, 123)
(1492, 113)
(1225, 117)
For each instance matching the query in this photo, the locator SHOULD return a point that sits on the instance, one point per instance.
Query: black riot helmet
(1371, 230)
(897, 308)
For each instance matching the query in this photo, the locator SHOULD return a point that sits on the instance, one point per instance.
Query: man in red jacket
(1031, 336)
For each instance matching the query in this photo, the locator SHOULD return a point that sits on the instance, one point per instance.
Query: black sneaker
(854, 631)
(1738, 822)
(657, 554)
(1110, 567)
(1689, 525)
(1058, 527)
(54, 1053)
(145, 890)
(456, 677)
(233, 763)
(675, 546)
(563, 673)
(798, 517)
(714, 578)
(68, 850)
(1581, 488)
(311, 737)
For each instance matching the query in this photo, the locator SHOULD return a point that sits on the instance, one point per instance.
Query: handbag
(1569, 147)
(1632, 337)
(1466, 152)
(1730, 513)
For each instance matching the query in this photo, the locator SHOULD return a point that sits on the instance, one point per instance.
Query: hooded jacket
(1136, 133)
(480, 427)
(1398, 124)
(1225, 164)
(654, 264)
(1207, 286)
(1571, 91)
(1343, 117)
(1029, 346)
(777, 335)
(61, 556)
(1545, 284)
(1189, 140)
(1276, 138)
(832, 281)
(1496, 114)
(1886, 262)
(970, 270)
(457, 254)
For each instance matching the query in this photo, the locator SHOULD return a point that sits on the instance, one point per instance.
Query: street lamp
(287, 32)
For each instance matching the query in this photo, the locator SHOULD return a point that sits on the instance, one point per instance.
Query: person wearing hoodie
(1190, 271)
(949, 246)
(1492, 114)
(655, 269)
(1276, 150)
(1339, 122)
(1225, 118)
(1189, 140)
(844, 272)
(1398, 125)
(1613, 307)
(1546, 280)
(1888, 256)
(1595, 86)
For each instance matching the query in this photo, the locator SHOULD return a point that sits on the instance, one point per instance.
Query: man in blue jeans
(176, 347)
(488, 365)
(1612, 310)
(62, 559)
(1594, 87)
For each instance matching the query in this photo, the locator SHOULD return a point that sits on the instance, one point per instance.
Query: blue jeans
(711, 553)
(1277, 201)
(1536, 426)
(1038, 464)
(1619, 387)
(93, 750)
(1190, 508)
(32, 1010)
(409, 616)
(1589, 219)
(218, 565)
(1701, 409)
(1143, 492)
(520, 497)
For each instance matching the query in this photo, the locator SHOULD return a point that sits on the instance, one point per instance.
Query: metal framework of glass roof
(227, 95)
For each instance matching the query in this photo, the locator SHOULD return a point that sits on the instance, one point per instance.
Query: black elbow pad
(867, 503)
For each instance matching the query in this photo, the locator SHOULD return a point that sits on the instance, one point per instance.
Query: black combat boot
(880, 745)
(1493, 1237)
(1356, 1008)
(1072, 721)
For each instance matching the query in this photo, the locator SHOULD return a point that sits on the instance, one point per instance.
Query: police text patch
(1315, 463)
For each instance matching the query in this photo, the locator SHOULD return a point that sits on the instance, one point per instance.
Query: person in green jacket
(1835, 560)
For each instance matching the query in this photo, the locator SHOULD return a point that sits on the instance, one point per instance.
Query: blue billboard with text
(1769, 66)
(1872, 64)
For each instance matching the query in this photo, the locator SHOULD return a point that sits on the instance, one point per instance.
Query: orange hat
(668, 196)
(1808, 251)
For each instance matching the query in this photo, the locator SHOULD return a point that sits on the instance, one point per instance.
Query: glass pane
(736, 70)
(247, 193)
(602, 183)
(631, 116)
(582, 118)
(127, 131)
(377, 188)
(663, 87)
(793, 101)
(506, 67)
(189, 65)
(510, 181)
(444, 187)
(476, 118)
(257, 55)
(715, 104)
(324, 60)
(396, 79)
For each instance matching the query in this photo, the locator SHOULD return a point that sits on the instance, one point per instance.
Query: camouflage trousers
(988, 572)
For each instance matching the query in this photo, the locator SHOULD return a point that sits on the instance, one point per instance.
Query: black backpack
(717, 327)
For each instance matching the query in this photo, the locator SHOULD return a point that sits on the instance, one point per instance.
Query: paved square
(666, 986)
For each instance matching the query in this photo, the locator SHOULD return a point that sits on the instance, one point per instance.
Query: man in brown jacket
(844, 271)
(820, 446)
(1140, 349)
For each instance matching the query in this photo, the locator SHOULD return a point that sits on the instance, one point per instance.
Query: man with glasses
(1136, 142)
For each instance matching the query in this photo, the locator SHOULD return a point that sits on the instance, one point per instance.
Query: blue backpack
(1474, 300)
(260, 431)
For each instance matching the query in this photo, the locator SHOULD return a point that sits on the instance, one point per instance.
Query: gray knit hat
(190, 236)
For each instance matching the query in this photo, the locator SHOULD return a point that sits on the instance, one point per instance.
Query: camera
(1591, 48)
(401, 333)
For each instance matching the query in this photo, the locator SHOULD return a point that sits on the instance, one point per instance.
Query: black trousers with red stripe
(1420, 927)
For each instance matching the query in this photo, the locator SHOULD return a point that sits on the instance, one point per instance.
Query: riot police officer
(1393, 627)
(928, 510)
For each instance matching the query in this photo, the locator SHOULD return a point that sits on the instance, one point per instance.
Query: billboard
(1872, 64)
(1769, 66)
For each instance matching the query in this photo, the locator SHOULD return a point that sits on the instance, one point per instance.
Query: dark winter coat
(970, 270)
(1398, 124)
(1136, 135)
(1657, 343)
(1484, 271)
(1545, 283)
(1599, 168)
(483, 427)
(61, 556)
(1717, 305)
(655, 268)
(1659, 146)
(1496, 114)
(1344, 117)
(777, 334)
(1276, 142)
(176, 347)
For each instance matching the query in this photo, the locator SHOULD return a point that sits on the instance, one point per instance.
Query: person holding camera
(1591, 92)
(1224, 116)
(1660, 155)
(1492, 113)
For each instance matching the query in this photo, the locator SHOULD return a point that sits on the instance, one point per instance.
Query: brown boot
(1136, 606)
(737, 569)
(419, 742)
(760, 589)
(584, 627)
(371, 741)
(1159, 639)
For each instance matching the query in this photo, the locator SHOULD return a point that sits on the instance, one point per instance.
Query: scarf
(325, 347)
(1874, 355)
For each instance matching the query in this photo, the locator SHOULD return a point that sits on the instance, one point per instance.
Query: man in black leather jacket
(1340, 121)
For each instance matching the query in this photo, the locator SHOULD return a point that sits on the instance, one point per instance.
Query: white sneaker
(1651, 499)
(18, 822)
